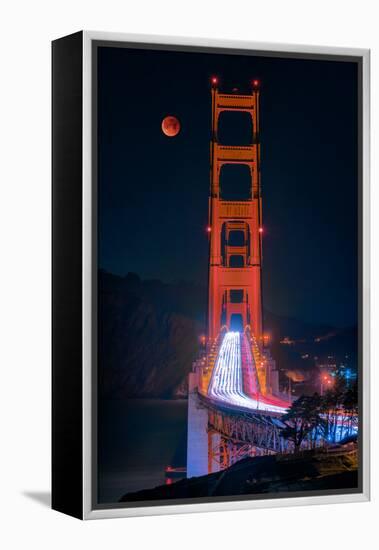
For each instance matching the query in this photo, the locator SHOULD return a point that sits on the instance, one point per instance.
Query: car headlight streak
(226, 384)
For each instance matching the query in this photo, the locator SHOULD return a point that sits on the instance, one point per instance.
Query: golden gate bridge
(234, 404)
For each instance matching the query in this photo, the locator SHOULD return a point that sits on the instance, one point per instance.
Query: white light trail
(226, 385)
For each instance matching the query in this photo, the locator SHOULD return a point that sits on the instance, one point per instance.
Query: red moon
(170, 126)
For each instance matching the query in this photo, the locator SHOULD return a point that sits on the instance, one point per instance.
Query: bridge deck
(227, 386)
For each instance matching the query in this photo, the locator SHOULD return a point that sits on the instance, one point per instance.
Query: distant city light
(287, 341)
(266, 338)
(348, 374)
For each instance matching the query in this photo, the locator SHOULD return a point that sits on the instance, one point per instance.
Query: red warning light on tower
(256, 83)
(214, 80)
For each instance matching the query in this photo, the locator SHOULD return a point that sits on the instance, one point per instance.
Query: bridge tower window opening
(235, 182)
(237, 261)
(236, 296)
(236, 322)
(237, 238)
(235, 128)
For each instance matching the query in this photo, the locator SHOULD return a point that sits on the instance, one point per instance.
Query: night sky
(153, 190)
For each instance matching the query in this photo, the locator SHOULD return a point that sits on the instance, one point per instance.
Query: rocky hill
(148, 336)
(270, 475)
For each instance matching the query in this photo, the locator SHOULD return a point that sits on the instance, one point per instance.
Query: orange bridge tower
(235, 226)
(216, 434)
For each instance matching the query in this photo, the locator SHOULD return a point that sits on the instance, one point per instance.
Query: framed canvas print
(210, 275)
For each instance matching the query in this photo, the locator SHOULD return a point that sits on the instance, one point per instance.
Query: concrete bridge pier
(197, 439)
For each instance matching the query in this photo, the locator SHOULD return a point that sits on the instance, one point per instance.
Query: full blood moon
(170, 126)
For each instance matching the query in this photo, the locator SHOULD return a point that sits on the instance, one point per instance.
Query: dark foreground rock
(310, 471)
